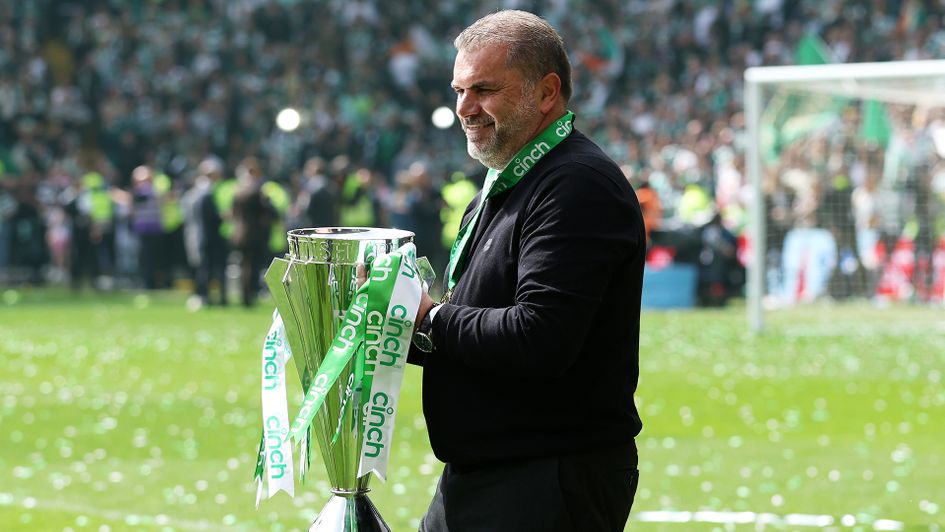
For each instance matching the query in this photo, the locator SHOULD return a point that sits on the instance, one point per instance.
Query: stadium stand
(91, 90)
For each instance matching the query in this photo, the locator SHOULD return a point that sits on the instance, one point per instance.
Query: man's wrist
(423, 335)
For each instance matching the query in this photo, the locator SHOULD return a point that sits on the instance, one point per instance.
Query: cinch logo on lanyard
(498, 182)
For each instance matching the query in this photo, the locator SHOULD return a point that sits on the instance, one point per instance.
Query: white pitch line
(742, 518)
(31, 503)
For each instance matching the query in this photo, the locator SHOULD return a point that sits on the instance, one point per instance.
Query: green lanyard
(498, 182)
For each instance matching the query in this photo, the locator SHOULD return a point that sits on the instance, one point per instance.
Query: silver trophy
(312, 288)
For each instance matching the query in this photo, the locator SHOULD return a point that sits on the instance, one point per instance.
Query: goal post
(915, 85)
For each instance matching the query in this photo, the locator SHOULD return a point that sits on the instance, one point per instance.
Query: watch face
(423, 342)
(423, 336)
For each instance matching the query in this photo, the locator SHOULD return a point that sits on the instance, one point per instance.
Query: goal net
(847, 164)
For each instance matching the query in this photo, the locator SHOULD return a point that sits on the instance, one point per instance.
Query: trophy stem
(349, 511)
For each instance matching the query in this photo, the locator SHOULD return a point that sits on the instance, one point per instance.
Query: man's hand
(426, 303)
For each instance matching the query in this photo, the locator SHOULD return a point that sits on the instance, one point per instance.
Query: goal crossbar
(842, 71)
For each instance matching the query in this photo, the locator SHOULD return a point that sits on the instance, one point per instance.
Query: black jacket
(537, 352)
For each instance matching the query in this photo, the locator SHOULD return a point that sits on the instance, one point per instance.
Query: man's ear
(549, 91)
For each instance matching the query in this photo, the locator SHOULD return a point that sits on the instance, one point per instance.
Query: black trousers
(212, 265)
(585, 493)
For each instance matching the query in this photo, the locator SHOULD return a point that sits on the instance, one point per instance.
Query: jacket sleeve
(415, 356)
(579, 230)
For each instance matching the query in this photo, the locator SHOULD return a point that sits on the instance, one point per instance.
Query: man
(146, 224)
(207, 249)
(253, 216)
(531, 362)
(317, 204)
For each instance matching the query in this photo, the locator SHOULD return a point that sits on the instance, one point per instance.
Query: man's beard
(497, 151)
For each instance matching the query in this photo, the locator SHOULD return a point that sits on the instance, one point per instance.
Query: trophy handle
(351, 512)
(427, 273)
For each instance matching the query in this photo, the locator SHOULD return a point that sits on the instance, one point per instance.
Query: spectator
(146, 225)
(720, 275)
(253, 217)
(207, 249)
(649, 203)
(27, 234)
(316, 205)
(90, 209)
(164, 83)
(414, 205)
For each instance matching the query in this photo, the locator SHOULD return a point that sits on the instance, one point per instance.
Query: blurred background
(325, 110)
(153, 154)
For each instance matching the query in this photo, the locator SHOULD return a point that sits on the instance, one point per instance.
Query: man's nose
(467, 104)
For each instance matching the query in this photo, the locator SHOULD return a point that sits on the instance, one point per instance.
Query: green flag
(874, 123)
(811, 50)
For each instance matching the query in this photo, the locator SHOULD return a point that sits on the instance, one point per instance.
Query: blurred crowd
(139, 146)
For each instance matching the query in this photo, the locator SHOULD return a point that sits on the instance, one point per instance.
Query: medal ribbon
(498, 182)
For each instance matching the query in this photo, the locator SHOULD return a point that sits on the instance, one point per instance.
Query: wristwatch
(423, 336)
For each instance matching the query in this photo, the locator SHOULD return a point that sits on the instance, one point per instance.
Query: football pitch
(127, 412)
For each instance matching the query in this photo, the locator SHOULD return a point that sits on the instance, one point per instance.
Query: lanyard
(498, 182)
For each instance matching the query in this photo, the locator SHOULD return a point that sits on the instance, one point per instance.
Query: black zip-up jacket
(537, 352)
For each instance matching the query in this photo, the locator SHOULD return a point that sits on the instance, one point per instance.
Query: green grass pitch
(126, 412)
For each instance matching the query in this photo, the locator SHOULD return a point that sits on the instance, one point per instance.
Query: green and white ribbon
(380, 318)
(275, 453)
(498, 182)
(388, 332)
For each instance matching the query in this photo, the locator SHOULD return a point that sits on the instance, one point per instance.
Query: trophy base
(349, 513)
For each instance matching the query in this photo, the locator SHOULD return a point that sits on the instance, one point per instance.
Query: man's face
(497, 110)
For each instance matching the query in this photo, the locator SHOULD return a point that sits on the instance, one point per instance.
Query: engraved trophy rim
(349, 233)
(343, 245)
